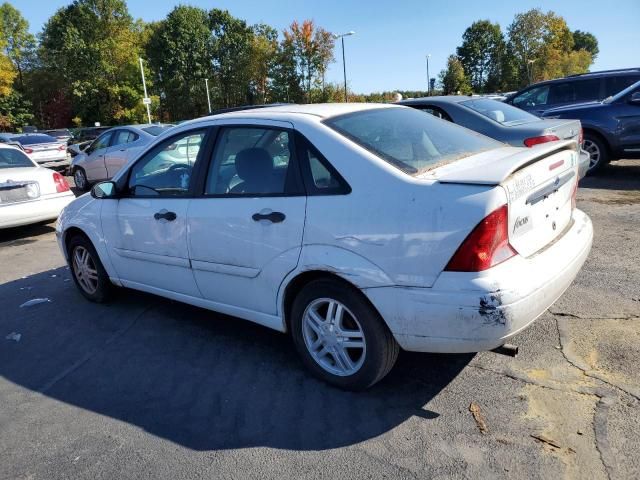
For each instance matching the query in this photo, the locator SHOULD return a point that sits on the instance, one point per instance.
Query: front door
(146, 230)
(116, 156)
(94, 165)
(245, 233)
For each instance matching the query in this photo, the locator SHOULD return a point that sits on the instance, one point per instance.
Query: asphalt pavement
(149, 388)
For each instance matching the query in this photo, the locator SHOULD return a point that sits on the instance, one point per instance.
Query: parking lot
(146, 387)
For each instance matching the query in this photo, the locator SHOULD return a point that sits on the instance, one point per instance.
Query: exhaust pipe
(507, 349)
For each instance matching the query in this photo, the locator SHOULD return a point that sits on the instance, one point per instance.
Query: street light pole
(144, 86)
(206, 84)
(344, 63)
(428, 77)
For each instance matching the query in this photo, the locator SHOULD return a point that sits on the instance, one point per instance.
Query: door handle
(163, 214)
(273, 217)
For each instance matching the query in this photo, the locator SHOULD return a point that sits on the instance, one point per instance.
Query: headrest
(253, 164)
(497, 115)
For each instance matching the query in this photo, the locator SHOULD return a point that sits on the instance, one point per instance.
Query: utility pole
(146, 100)
(428, 77)
(206, 83)
(344, 63)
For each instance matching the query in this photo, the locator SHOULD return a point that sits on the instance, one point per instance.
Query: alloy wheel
(594, 152)
(333, 337)
(84, 269)
(80, 179)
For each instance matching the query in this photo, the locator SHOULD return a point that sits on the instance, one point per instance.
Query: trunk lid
(563, 129)
(538, 182)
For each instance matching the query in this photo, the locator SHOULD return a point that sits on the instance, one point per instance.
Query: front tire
(340, 337)
(88, 273)
(80, 179)
(598, 153)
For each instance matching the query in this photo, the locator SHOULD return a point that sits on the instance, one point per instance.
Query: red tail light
(530, 142)
(62, 148)
(28, 150)
(61, 183)
(486, 246)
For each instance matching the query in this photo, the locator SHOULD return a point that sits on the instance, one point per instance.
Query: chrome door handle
(164, 215)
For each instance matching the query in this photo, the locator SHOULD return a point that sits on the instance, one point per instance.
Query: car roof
(587, 75)
(442, 99)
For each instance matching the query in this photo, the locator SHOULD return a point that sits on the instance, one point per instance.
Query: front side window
(167, 169)
(408, 139)
(101, 142)
(499, 112)
(11, 158)
(250, 161)
(532, 97)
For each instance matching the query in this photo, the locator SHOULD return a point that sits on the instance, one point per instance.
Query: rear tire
(87, 271)
(80, 179)
(340, 337)
(598, 152)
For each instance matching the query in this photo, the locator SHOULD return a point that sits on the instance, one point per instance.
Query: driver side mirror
(635, 98)
(104, 190)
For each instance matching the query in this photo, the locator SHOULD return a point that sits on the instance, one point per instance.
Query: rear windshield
(408, 139)
(10, 158)
(500, 112)
(34, 139)
(156, 130)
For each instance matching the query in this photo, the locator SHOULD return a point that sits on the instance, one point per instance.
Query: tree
(481, 55)
(585, 41)
(311, 49)
(264, 51)
(7, 75)
(19, 44)
(93, 45)
(179, 53)
(453, 79)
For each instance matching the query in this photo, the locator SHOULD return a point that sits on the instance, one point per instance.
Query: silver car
(501, 121)
(103, 157)
(45, 150)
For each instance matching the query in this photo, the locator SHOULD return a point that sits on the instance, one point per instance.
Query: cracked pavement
(148, 388)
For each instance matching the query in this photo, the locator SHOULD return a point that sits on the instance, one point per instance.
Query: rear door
(245, 232)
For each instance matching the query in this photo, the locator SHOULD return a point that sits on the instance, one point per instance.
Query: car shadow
(622, 175)
(21, 235)
(196, 378)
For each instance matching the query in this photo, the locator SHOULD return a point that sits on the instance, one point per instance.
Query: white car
(101, 159)
(45, 150)
(359, 229)
(29, 193)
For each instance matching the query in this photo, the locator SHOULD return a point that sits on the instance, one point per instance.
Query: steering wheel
(177, 171)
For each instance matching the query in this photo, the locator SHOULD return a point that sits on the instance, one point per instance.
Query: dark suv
(585, 87)
(611, 127)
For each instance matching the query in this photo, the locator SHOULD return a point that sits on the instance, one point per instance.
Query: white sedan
(29, 193)
(358, 229)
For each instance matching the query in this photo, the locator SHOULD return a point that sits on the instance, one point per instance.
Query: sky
(393, 38)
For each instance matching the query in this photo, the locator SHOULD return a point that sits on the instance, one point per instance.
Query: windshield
(623, 93)
(500, 112)
(34, 139)
(156, 130)
(408, 139)
(11, 158)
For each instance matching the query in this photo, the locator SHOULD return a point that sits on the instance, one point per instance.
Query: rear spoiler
(495, 166)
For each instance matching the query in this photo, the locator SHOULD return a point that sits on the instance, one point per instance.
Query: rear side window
(561, 93)
(586, 90)
(320, 177)
(408, 139)
(124, 136)
(10, 158)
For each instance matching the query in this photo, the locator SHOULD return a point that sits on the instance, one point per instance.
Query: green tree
(585, 41)
(481, 54)
(453, 78)
(179, 53)
(264, 51)
(15, 111)
(19, 44)
(93, 45)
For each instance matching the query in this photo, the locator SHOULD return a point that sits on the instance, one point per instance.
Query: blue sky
(393, 37)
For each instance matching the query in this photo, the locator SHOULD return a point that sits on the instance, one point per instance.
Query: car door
(117, 154)
(245, 232)
(146, 229)
(627, 114)
(94, 163)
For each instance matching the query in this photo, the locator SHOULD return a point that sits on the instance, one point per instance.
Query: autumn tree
(453, 78)
(18, 43)
(481, 54)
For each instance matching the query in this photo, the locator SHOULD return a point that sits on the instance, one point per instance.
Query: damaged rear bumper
(472, 312)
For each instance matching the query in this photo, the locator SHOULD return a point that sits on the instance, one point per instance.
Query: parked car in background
(106, 154)
(359, 228)
(611, 127)
(62, 134)
(501, 122)
(29, 193)
(43, 149)
(586, 87)
(86, 134)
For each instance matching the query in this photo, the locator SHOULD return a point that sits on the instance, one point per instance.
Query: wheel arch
(601, 136)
